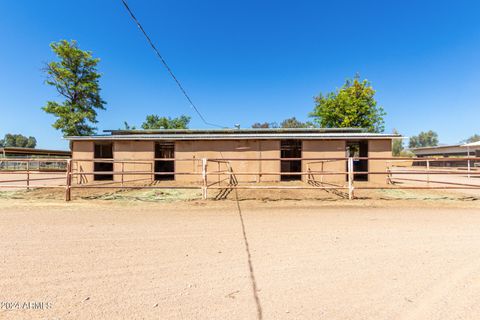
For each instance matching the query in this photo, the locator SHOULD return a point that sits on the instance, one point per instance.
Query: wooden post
(152, 168)
(122, 172)
(28, 174)
(204, 178)
(68, 185)
(350, 178)
(389, 174)
(321, 177)
(428, 170)
(468, 168)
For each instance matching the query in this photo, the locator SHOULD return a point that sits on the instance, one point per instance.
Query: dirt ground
(193, 259)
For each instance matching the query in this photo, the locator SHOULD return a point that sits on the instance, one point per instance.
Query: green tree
(126, 126)
(264, 125)
(155, 122)
(397, 145)
(76, 79)
(474, 138)
(424, 139)
(353, 105)
(294, 123)
(18, 140)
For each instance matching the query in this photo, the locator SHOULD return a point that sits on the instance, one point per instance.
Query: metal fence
(225, 174)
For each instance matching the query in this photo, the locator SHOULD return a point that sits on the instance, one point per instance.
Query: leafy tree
(264, 125)
(76, 79)
(294, 123)
(155, 122)
(18, 140)
(353, 105)
(424, 139)
(474, 138)
(397, 145)
(126, 126)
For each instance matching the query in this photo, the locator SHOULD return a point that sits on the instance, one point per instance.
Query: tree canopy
(397, 145)
(76, 79)
(424, 139)
(474, 138)
(294, 123)
(18, 140)
(287, 123)
(155, 122)
(353, 105)
(264, 125)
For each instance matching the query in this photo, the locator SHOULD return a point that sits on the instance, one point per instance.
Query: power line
(168, 68)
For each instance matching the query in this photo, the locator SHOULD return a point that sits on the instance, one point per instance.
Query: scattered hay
(168, 195)
(422, 195)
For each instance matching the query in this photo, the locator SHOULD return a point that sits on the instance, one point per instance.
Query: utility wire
(168, 68)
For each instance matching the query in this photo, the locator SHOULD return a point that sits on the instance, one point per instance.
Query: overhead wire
(182, 89)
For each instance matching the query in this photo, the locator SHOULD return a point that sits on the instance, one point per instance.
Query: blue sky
(248, 61)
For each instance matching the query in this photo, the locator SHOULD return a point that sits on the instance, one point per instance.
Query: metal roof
(444, 146)
(472, 144)
(235, 135)
(33, 151)
(237, 131)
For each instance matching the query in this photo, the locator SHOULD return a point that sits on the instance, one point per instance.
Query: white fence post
(204, 178)
(350, 178)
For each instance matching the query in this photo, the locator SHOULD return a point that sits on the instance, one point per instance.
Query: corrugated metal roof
(237, 136)
(33, 151)
(472, 144)
(436, 147)
(237, 131)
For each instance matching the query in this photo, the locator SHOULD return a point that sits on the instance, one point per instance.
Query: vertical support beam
(152, 169)
(204, 178)
(321, 177)
(28, 174)
(68, 184)
(428, 170)
(469, 168)
(389, 173)
(123, 170)
(350, 178)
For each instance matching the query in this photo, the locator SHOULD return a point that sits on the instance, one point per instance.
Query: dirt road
(110, 260)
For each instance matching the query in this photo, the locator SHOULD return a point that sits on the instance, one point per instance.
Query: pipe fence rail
(337, 174)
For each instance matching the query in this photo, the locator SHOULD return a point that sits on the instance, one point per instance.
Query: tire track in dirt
(430, 301)
(249, 258)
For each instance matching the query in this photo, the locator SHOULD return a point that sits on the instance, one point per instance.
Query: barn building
(180, 152)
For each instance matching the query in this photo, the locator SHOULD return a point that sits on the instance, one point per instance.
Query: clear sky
(251, 60)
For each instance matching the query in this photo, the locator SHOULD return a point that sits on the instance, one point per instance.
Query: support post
(122, 172)
(204, 179)
(389, 173)
(321, 177)
(428, 170)
(350, 178)
(28, 175)
(68, 184)
(469, 168)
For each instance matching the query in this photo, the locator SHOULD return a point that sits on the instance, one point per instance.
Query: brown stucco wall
(219, 149)
(379, 149)
(82, 150)
(324, 149)
(142, 154)
(225, 149)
